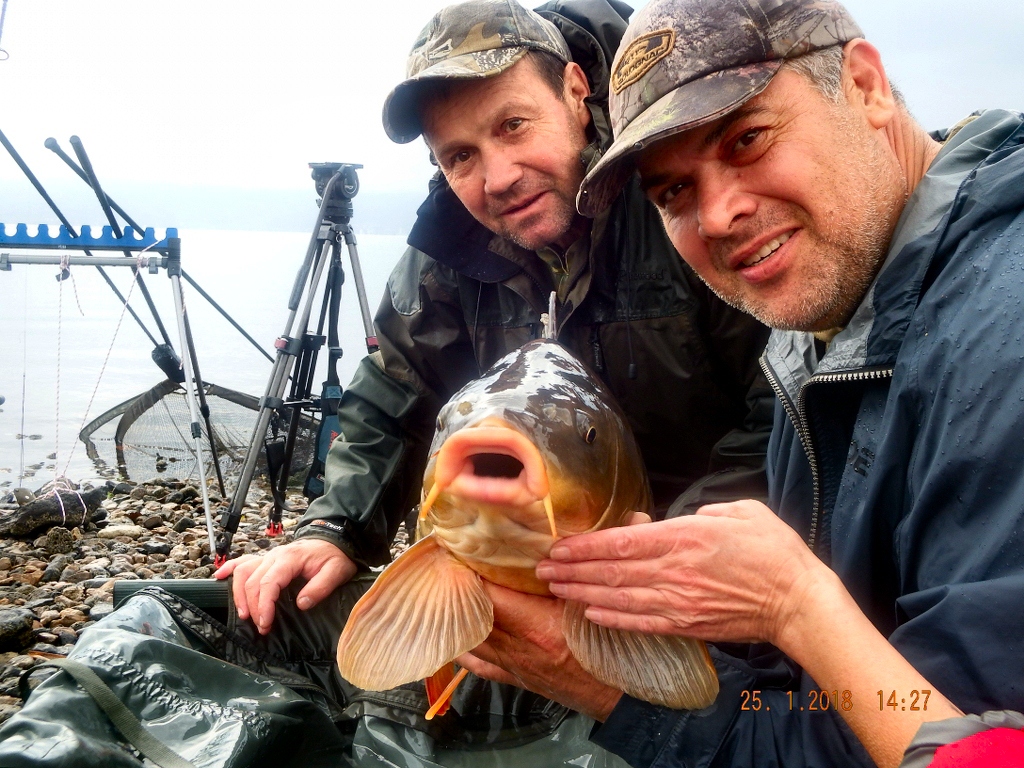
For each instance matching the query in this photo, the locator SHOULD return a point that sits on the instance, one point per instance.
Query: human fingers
(639, 518)
(633, 541)
(609, 573)
(269, 591)
(334, 572)
(744, 509)
(260, 584)
(241, 568)
(486, 669)
(633, 622)
(633, 600)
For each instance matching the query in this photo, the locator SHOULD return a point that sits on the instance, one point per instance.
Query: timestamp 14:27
(822, 701)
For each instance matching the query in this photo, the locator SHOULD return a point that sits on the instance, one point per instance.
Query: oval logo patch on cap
(642, 54)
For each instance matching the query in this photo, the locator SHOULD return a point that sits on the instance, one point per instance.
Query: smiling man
(888, 563)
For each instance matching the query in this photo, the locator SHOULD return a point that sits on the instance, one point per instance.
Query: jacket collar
(876, 331)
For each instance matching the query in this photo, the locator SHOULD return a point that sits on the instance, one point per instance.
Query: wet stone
(183, 524)
(156, 548)
(74, 574)
(15, 628)
(59, 541)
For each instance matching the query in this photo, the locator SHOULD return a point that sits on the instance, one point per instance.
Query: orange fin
(436, 685)
(440, 688)
(668, 670)
(424, 610)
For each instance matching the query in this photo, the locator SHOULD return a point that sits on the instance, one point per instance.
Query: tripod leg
(288, 348)
(357, 275)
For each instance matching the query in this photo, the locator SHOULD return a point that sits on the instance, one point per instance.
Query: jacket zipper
(798, 415)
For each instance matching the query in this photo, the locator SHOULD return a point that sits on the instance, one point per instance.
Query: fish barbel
(533, 451)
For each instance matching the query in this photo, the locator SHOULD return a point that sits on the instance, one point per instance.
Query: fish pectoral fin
(425, 609)
(667, 670)
(440, 687)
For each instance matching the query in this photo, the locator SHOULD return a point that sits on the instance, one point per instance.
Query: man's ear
(866, 85)
(575, 89)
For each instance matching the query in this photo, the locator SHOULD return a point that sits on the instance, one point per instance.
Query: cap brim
(691, 105)
(402, 106)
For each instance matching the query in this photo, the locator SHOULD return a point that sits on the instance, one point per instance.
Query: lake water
(250, 274)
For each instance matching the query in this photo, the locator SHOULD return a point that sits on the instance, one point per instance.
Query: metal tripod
(297, 348)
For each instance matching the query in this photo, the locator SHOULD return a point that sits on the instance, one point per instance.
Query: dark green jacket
(461, 298)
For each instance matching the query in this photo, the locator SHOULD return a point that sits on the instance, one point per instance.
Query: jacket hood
(444, 229)
(978, 175)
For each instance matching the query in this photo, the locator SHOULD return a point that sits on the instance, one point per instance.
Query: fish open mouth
(497, 465)
(491, 464)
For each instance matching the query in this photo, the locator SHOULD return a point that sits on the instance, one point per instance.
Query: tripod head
(339, 205)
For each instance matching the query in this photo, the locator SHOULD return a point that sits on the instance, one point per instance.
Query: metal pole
(357, 275)
(174, 272)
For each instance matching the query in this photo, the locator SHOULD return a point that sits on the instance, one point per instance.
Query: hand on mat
(259, 579)
(526, 648)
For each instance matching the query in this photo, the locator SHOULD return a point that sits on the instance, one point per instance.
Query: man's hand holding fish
(527, 641)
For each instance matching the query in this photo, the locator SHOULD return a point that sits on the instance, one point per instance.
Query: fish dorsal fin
(674, 672)
(425, 609)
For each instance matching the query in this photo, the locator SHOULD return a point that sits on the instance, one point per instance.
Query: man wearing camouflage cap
(512, 104)
(889, 567)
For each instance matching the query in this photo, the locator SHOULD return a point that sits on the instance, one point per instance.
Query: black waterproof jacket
(898, 455)
(461, 298)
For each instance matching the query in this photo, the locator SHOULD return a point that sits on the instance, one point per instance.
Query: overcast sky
(244, 94)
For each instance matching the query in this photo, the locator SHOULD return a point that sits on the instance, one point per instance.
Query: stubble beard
(849, 254)
(561, 220)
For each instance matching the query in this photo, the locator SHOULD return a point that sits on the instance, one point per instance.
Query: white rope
(139, 261)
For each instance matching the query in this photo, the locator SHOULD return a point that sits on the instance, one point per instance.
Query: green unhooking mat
(159, 682)
(190, 708)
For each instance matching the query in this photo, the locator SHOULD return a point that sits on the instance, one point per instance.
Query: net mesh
(149, 435)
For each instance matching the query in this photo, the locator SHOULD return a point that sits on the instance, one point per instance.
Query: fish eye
(591, 436)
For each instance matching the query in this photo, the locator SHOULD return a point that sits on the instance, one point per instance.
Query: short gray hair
(824, 69)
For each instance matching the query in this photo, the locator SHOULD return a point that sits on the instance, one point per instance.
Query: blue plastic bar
(105, 242)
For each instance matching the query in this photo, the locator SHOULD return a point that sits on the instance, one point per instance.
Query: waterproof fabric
(211, 713)
(916, 498)
(989, 740)
(218, 694)
(462, 298)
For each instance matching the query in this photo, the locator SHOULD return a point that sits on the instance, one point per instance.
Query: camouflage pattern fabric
(480, 38)
(683, 63)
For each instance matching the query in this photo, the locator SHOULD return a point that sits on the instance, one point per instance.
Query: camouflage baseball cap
(476, 39)
(684, 63)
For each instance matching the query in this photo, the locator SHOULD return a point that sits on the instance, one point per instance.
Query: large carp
(533, 451)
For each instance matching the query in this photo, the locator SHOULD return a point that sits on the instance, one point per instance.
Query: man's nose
(722, 202)
(501, 172)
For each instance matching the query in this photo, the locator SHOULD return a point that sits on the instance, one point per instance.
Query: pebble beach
(55, 585)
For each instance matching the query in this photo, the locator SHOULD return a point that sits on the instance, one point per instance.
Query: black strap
(123, 719)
